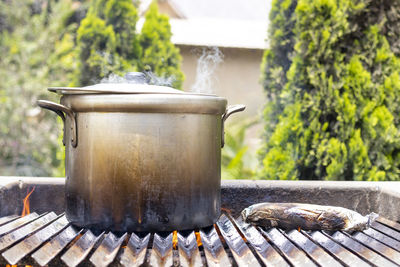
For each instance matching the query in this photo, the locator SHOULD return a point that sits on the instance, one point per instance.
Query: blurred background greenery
(75, 43)
(330, 76)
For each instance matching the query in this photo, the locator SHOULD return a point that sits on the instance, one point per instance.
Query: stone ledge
(364, 197)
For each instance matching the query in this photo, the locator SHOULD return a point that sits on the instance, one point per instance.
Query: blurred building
(238, 28)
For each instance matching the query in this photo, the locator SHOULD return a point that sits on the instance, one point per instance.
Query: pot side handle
(62, 111)
(229, 111)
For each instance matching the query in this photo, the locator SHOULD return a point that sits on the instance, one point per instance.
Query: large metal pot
(141, 157)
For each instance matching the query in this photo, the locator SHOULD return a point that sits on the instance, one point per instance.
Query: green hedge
(332, 80)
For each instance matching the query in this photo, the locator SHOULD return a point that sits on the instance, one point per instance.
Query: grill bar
(189, 254)
(265, 251)
(134, 252)
(387, 240)
(77, 253)
(50, 240)
(296, 256)
(377, 246)
(15, 236)
(240, 250)
(107, 250)
(389, 223)
(50, 250)
(17, 223)
(386, 230)
(313, 250)
(23, 248)
(8, 219)
(361, 250)
(213, 249)
(339, 251)
(161, 254)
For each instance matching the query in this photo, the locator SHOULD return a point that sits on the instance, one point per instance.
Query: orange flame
(198, 239)
(26, 210)
(174, 239)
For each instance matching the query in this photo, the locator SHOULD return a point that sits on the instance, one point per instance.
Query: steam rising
(208, 62)
(162, 81)
(150, 77)
(113, 78)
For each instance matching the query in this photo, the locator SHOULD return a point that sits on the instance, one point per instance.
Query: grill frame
(252, 245)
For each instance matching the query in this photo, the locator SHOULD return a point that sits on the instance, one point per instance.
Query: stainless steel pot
(141, 157)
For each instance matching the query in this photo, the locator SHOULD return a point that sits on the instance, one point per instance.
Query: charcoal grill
(47, 238)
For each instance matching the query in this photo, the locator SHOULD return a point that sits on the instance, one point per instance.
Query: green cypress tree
(333, 109)
(107, 41)
(122, 15)
(159, 54)
(97, 51)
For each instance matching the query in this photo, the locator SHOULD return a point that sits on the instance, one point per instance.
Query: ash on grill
(49, 239)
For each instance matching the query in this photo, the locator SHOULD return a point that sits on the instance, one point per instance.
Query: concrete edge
(365, 197)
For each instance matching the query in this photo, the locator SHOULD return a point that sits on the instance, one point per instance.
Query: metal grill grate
(49, 239)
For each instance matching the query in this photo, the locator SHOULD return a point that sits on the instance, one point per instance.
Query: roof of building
(222, 23)
(221, 9)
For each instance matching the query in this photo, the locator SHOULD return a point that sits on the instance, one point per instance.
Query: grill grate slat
(17, 223)
(390, 223)
(107, 250)
(15, 236)
(377, 246)
(339, 251)
(23, 248)
(267, 253)
(161, 253)
(291, 252)
(50, 249)
(135, 251)
(7, 219)
(387, 240)
(386, 230)
(361, 250)
(240, 250)
(189, 254)
(78, 251)
(213, 249)
(50, 240)
(314, 251)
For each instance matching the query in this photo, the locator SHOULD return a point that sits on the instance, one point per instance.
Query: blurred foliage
(159, 53)
(107, 42)
(237, 162)
(58, 43)
(332, 77)
(97, 51)
(32, 58)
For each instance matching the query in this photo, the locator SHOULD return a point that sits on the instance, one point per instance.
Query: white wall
(236, 78)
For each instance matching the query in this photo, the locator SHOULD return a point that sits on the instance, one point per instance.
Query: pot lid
(133, 83)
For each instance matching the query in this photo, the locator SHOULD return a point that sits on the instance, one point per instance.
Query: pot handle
(229, 111)
(61, 110)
